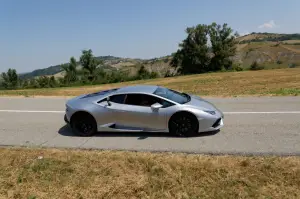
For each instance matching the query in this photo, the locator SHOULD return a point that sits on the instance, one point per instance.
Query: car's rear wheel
(83, 124)
(184, 124)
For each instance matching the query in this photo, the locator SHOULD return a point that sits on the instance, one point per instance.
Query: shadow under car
(67, 131)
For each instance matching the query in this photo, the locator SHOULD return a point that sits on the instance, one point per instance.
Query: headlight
(211, 112)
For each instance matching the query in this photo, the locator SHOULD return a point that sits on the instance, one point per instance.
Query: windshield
(172, 95)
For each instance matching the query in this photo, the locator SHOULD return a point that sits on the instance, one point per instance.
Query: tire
(83, 124)
(184, 124)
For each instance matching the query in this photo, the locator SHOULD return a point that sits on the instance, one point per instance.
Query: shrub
(143, 73)
(292, 65)
(33, 83)
(169, 74)
(25, 83)
(255, 66)
(237, 67)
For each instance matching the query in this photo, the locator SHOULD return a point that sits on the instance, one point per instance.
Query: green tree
(43, 81)
(223, 46)
(61, 81)
(70, 71)
(10, 79)
(89, 63)
(192, 57)
(33, 83)
(25, 83)
(197, 55)
(52, 82)
(142, 72)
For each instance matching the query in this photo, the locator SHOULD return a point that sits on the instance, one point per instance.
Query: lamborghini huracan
(147, 108)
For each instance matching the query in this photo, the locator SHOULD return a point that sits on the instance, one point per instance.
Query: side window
(115, 98)
(119, 99)
(166, 103)
(134, 99)
(145, 100)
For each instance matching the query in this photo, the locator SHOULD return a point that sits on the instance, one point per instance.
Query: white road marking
(229, 113)
(274, 112)
(30, 111)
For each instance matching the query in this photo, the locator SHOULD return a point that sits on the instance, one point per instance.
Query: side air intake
(217, 123)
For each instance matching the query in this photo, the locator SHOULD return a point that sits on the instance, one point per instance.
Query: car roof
(137, 89)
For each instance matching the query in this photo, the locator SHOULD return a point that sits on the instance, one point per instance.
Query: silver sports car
(142, 108)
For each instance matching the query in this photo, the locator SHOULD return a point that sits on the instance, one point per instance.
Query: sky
(38, 33)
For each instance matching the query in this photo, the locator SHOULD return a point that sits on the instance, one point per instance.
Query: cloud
(269, 25)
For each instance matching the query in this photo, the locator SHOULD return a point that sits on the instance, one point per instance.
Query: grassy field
(264, 82)
(53, 173)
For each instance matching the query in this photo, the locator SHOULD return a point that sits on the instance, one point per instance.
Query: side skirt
(112, 127)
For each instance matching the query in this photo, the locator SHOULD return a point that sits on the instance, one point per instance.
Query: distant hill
(260, 37)
(52, 70)
(159, 65)
(269, 49)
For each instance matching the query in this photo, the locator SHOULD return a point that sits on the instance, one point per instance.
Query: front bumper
(66, 119)
(207, 127)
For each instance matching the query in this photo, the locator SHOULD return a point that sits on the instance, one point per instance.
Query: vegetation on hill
(283, 82)
(263, 37)
(110, 63)
(206, 48)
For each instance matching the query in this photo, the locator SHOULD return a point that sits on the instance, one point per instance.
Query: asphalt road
(262, 125)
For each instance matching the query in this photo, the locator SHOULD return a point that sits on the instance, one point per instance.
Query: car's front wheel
(83, 124)
(184, 124)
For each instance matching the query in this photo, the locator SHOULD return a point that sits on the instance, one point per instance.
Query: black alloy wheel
(184, 124)
(84, 125)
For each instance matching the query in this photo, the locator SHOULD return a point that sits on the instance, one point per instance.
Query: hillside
(268, 49)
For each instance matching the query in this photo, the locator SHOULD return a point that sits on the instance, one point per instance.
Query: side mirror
(108, 102)
(156, 106)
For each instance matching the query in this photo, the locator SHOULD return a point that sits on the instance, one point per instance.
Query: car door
(111, 112)
(137, 112)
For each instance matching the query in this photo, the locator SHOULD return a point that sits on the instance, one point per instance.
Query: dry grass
(291, 41)
(265, 82)
(94, 174)
(122, 64)
(292, 48)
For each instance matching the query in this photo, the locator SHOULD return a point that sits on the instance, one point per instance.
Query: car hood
(81, 100)
(200, 103)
